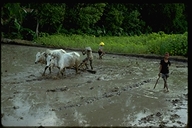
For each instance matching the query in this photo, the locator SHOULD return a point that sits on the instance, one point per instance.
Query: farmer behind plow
(89, 57)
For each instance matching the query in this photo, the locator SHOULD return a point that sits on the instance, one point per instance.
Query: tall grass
(154, 43)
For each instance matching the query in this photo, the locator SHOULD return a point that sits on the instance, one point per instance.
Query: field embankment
(148, 46)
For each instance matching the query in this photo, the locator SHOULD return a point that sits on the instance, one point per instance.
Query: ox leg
(77, 69)
(62, 71)
(44, 70)
(49, 70)
(58, 73)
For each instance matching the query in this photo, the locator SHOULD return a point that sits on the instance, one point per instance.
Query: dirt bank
(120, 93)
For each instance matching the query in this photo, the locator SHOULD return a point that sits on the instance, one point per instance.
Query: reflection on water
(25, 114)
(182, 111)
(80, 118)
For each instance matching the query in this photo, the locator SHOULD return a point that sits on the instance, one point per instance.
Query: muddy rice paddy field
(120, 93)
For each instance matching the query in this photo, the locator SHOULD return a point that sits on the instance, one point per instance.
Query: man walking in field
(164, 69)
(100, 51)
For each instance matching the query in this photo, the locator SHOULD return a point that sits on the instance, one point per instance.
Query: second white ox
(41, 57)
(67, 60)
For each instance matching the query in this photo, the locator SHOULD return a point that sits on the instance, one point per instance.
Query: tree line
(31, 20)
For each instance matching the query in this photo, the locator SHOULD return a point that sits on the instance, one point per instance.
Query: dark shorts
(164, 75)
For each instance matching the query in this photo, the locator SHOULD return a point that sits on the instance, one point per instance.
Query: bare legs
(85, 62)
(165, 83)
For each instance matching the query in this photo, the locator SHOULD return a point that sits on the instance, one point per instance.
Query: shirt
(165, 66)
(101, 48)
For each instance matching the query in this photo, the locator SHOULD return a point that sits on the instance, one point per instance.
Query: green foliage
(90, 14)
(28, 34)
(11, 19)
(11, 10)
(179, 45)
(169, 17)
(175, 16)
(132, 23)
(155, 43)
(50, 16)
(113, 18)
(99, 19)
(175, 44)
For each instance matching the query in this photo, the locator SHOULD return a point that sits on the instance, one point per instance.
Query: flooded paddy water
(120, 93)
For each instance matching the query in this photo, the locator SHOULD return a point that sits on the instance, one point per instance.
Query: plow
(82, 67)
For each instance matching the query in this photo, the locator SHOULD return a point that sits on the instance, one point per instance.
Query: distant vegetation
(155, 43)
(29, 20)
(124, 27)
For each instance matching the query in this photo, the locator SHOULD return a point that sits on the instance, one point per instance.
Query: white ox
(41, 57)
(67, 60)
(56, 53)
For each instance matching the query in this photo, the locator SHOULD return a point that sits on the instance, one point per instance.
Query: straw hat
(101, 44)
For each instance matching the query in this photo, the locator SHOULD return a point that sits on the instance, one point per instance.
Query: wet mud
(120, 93)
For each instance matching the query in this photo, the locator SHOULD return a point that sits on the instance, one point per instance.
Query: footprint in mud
(115, 89)
(147, 118)
(89, 81)
(42, 78)
(174, 116)
(15, 82)
(21, 118)
(91, 88)
(151, 117)
(100, 78)
(51, 77)
(31, 76)
(175, 101)
(58, 89)
(158, 114)
(15, 107)
(185, 95)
